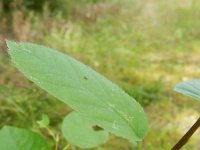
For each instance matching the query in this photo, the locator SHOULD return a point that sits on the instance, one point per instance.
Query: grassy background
(146, 47)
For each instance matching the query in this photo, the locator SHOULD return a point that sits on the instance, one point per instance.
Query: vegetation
(189, 88)
(85, 91)
(144, 47)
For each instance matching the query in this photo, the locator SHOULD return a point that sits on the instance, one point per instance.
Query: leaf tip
(10, 45)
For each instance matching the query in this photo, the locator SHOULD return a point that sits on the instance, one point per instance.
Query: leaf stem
(186, 137)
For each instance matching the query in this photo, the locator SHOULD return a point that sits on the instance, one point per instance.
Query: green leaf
(12, 138)
(79, 131)
(189, 88)
(83, 89)
(44, 122)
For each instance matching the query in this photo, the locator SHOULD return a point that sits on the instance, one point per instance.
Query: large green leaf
(12, 138)
(81, 88)
(190, 88)
(80, 131)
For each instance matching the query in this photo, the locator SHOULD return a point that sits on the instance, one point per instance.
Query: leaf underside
(189, 88)
(82, 88)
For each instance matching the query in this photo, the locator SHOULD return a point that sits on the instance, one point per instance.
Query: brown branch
(186, 137)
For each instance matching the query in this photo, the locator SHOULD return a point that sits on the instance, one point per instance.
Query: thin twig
(186, 137)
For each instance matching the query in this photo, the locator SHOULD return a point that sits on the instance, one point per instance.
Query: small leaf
(82, 88)
(79, 131)
(44, 122)
(12, 138)
(189, 88)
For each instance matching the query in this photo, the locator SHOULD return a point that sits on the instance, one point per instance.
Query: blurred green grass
(146, 47)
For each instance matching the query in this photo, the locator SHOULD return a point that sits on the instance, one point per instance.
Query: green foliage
(84, 135)
(145, 94)
(12, 138)
(83, 89)
(190, 88)
(44, 122)
(120, 44)
(64, 6)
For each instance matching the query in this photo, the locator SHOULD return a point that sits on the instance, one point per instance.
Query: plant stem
(138, 145)
(186, 137)
(56, 146)
(66, 147)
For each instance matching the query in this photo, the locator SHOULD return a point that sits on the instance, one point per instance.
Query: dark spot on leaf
(97, 128)
(85, 78)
